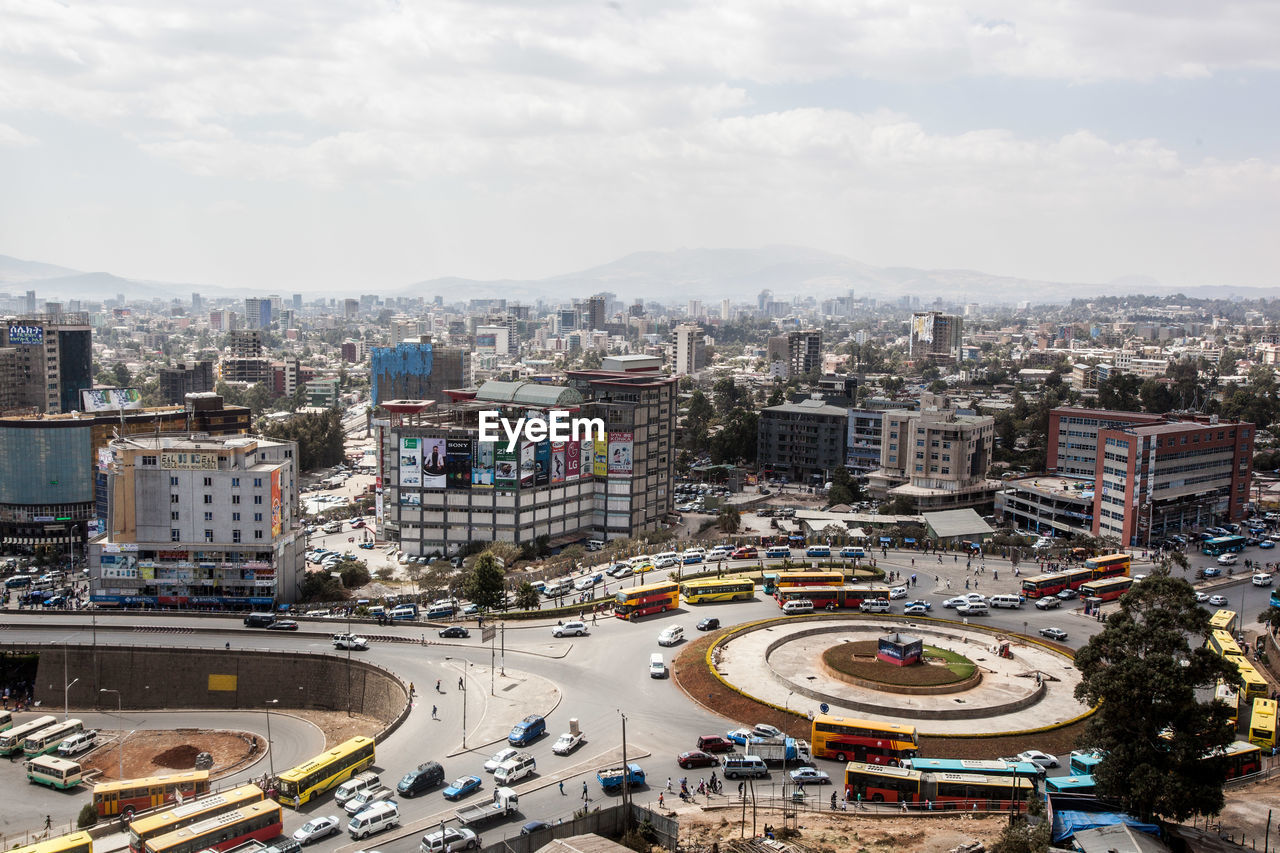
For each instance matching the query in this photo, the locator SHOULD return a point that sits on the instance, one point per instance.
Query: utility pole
(492, 666)
(502, 627)
(626, 786)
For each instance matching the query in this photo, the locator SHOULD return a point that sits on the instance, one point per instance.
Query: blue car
(1212, 572)
(740, 736)
(462, 786)
(1266, 544)
(927, 605)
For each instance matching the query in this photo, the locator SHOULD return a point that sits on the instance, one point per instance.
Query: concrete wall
(178, 678)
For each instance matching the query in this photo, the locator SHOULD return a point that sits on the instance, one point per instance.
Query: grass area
(956, 662)
(859, 660)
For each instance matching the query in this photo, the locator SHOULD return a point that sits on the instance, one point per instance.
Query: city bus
(47, 740)
(1083, 761)
(1275, 597)
(330, 768)
(54, 771)
(1254, 686)
(774, 581)
(1043, 586)
(1243, 759)
(831, 597)
(6, 720)
(256, 821)
(1223, 644)
(1223, 620)
(1070, 785)
(1227, 695)
(1262, 724)
(718, 589)
(1223, 545)
(144, 829)
(76, 842)
(657, 597)
(849, 739)
(11, 740)
(1108, 565)
(987, 767)
(1107, 590)
(880, 784)
(134, 795)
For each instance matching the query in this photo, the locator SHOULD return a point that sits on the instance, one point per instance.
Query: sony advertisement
(542, 464)
(457, 462)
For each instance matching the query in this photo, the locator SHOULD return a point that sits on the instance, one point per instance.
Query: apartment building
(937, 457)
(794, 354)
(688, 349)
(802, 440)
(52, 360)
(862, 448)
(935, 336)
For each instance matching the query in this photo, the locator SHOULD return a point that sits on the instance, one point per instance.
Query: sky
(352, 145)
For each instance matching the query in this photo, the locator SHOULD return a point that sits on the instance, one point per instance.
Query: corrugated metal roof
(528, 394)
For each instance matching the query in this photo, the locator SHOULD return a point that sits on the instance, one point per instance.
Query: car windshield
(460, 783)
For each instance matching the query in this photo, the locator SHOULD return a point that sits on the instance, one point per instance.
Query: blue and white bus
(1220, 545)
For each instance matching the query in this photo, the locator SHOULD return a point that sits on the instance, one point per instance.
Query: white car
(955, 602)
(898, 592)
(1043, 760)
(666, 563)
(766, 731)
(1261, 579)
(498, 757)
(316, 829)
(916, 609)
(1228, 559)
(975, 598)
(451, 838)
(671, 635)
(567, 743)
(1218, 600)
(1202, 596)
(350, 641)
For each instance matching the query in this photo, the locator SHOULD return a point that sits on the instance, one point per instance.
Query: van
(355, 785)
(78, 743)
(1261, 579)
(817, 551)
(554, 588)
(738, 766)
(974, 608)
(799, 605)
(778, 552)
(657, 666)
(423, 777)
(595, 544)
(671, 635)
(379, 816)
(259, 620)
(404, 611)
(17, 581)
(514, 769)
(875, 605)
(1014, 601)
(528, 729)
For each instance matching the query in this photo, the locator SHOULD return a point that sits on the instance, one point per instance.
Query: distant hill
(18, 271)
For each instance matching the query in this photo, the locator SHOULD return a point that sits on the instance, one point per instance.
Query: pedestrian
(411, 688)
(460, 684)
(562, 788)
(859, 799)
(904, 805)
(585, 795)
(434, 711)
(48, 822)
(668, 783)
(438, 690)
(833, 800)
(661, 802)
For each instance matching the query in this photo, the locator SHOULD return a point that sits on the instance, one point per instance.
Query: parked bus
(1254, 687)
(11, 741)
(76, 842)
(144, 829)
(55, 772)
(1243, 759)
(6, 720)
(1262, 724)
(134, 795)
(1275, 597)
(256, 822)
(1223, 545)
(329, 768)
(993, 767)
(1043, 586)
(851, 739)
(831, 597)
(1083, 761)
(47, 740)
(718, 589)
(637, 601)
(774, 581)
(1107, 590)
(1070, 785)
(1223, 644)
(1108, 565)
(1228, 695)
(880, 784)
(1223, 620)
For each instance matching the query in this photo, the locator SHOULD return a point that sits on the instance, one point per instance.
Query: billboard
(433, 473)
(482, 470)
(378, 508)
(507, 471)
(457, 462)
(586, 458)
(557, 462)
(277, 508)
(411, 499)
(527, 466)
(410, 463)
(922, 327)
(542, 464)
(20, 334)
(572, 460)
(110, 399)
(620, 450)
(600, 460)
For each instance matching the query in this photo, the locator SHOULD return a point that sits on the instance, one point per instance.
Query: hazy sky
(355, 145)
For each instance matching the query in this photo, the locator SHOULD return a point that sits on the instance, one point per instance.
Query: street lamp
(121, 751)
(66, 694)
(271, 761)
(117, 692)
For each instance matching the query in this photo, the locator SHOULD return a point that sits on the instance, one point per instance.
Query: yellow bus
(47, 740)
(76, 842)
(1108, 565)
(850, 739)
(326, 770)
(11, 741)
(1223, 620)
(134, 795)
(717, 589)
(6, 720)
(144, 829)
(1223, 644)
(637, 601)
(1262, 725)
(1254, 687)
(256, 822)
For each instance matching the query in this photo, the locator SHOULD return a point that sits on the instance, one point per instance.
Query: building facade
(205, 523)
(688, 349)
(795, 354)
(802, 440)
(53, 360)
(936, 457)
(935, 336)
(862, 447)
(417, 371)
(178, 381)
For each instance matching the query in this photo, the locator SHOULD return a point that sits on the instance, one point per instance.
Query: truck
(610, 778)
(505, 802)
(772, 749)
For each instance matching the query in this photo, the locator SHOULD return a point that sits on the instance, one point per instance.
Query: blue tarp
(1067, 822)
(909, 541)
(886, 539)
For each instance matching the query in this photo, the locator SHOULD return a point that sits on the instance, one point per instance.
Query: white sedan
(955, 602)
(316, 829)
(498, 757)
(898, 592)
(1043, 760)
(567, 743)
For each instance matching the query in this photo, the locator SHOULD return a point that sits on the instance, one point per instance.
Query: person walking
(586, 796)
(434, 713)
(562, 788)
(661, 802)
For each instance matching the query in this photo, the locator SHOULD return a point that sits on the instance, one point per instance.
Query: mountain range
(665, 277)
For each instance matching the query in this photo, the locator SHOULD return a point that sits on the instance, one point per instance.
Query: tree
(484, 585)
(1156, 396)
(354, 573)
(899, 505)
(1019, 836)
(727, 395)
(322, 586)
(1142, 674)
(844, 488)
(527, 597)
(736, 440)
(729, 520)
(1119, 392)
(121, 375)
(88, 816)
(319, 436)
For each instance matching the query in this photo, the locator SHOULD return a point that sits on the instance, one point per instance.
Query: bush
(88, 816)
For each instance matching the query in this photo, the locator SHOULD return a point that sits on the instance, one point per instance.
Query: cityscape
(591, 429)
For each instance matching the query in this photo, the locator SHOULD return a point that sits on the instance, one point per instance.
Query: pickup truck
(505, 802)
(771, 750)
(610, 778)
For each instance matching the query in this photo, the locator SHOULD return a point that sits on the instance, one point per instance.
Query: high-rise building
(935, 336)
(795, 353)
(297, 303)
(493, 339)
(417, 371)
(197, 303)
(410, 329)
(257, 313)
(593, 313)
(53, 362)
(178, 381)
(688, 348)
(695, 309)
(802, 439)
(350, 308)
(199, 522)
(245, 361)
(726, 310)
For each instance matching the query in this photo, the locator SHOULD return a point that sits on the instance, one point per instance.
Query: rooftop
(951, 523)
(1064, 487)
(528, 394)
(809, 407)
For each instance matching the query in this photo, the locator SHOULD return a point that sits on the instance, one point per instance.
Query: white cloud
(11, 137)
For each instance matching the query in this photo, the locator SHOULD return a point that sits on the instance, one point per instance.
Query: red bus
(1043, 586)
(831, 597)
(257, 822)
(960, 791)
(134, 795)
(658, 597)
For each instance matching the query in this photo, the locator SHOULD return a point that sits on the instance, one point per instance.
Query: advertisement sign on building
(110, 399)
(507, 472)
(410, 463)
(457, 463)
(557, 462)
(482, 470)
(600, 464)
(377, 506)
(411, 499)
(620, 450)
(20, 335)
(105, 458)
(528, 451)
(587, 456)
(172, 460)
(433, 454)
(542, 464)
(572, 460)
(276, 504)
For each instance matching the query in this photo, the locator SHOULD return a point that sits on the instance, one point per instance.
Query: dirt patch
(1247, 809)
(859, 660)
(690, 672)
(181, 757)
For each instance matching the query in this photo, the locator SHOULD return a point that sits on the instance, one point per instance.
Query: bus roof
(960, 765)
(54, 761)
(883, 770)
(251, 793)
(144, 781)
(899, 728)
(656, 586)
(301, 771)
(195, 830)
(55, 845)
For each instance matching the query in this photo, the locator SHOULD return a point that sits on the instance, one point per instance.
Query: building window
(235, 482)
(257, 534)
(235, 516)
(173, 499)
(175, 535)
(149, 461)
(208, 516)
(208, 499)
(235, 499)
(173, 516)
(257, 482)
(235, 535)
(257, 499)
(208, 535)
(173, 481)
(257, 516)
(208, 481)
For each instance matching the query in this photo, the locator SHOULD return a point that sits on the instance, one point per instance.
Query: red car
(745, 553)
(715, 743)
(694, 758)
